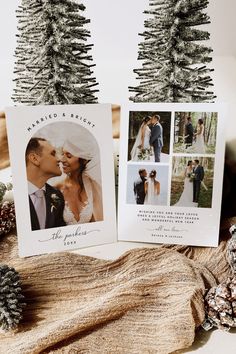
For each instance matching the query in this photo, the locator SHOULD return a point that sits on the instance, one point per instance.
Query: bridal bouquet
(191, 177)
(144, 154)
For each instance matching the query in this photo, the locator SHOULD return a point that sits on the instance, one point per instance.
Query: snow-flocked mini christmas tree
(174, 67)
(52, 61)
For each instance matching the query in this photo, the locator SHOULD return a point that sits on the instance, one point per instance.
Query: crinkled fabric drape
(146, 301)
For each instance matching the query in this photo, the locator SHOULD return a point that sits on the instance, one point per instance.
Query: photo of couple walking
(147, 185)
(192, 182)
(64, 177)
(195, 132)
(149, 136)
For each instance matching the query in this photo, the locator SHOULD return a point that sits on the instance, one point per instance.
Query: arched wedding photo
(149, 136)
(192, 182)
(66, 158)
(195, 132)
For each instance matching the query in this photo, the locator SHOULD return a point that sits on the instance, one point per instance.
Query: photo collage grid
(170, 158)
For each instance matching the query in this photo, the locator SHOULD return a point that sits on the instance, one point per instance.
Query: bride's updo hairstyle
(146, 119)
(200, 121)
(153, 174)
(189, 162)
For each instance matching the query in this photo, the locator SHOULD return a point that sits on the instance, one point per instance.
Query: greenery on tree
(53, 64)
(174, 58)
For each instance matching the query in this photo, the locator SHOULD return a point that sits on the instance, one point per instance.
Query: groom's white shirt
(31, 190)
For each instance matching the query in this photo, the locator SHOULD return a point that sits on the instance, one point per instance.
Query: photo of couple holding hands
(193, 177)
(76, 196)
(192, 182)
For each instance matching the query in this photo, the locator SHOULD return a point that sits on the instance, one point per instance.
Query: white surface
(114, 28)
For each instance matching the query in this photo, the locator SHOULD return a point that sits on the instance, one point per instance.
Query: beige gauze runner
(146, 301)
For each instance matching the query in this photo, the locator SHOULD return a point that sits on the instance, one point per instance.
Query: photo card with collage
(170, 177)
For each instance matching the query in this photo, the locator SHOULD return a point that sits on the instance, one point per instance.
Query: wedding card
(171, 173)
(63, 176)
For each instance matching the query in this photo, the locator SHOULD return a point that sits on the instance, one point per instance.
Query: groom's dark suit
(139, 190)
(156, 140)
(199, 175)
(54, 209)
(189, 131)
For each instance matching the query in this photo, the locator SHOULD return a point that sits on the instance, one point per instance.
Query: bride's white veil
(86, 148)
(137, 142)
(150, 190)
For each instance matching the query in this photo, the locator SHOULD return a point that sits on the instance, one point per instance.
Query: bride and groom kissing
(149, 138)
(78, 198)
(146, 190)
(193, 178)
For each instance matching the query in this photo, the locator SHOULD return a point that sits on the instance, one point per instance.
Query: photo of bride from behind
(152, 189)
(142, 142)
(147, 184)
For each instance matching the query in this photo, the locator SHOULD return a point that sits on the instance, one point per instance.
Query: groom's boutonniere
(55, 201)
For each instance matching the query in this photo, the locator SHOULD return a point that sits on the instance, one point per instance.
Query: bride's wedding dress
(151, 197)
(85, 214)
(87, 210)
(146, 145)
(199, 146)
(186, 198)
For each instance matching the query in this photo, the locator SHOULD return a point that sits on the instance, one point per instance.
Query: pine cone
(7, 217)
(3, 189)
(220, 305)
(231, 249)
(11, 299)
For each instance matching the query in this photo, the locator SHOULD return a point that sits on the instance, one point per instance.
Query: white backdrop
(133, 175)
(114, 27)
